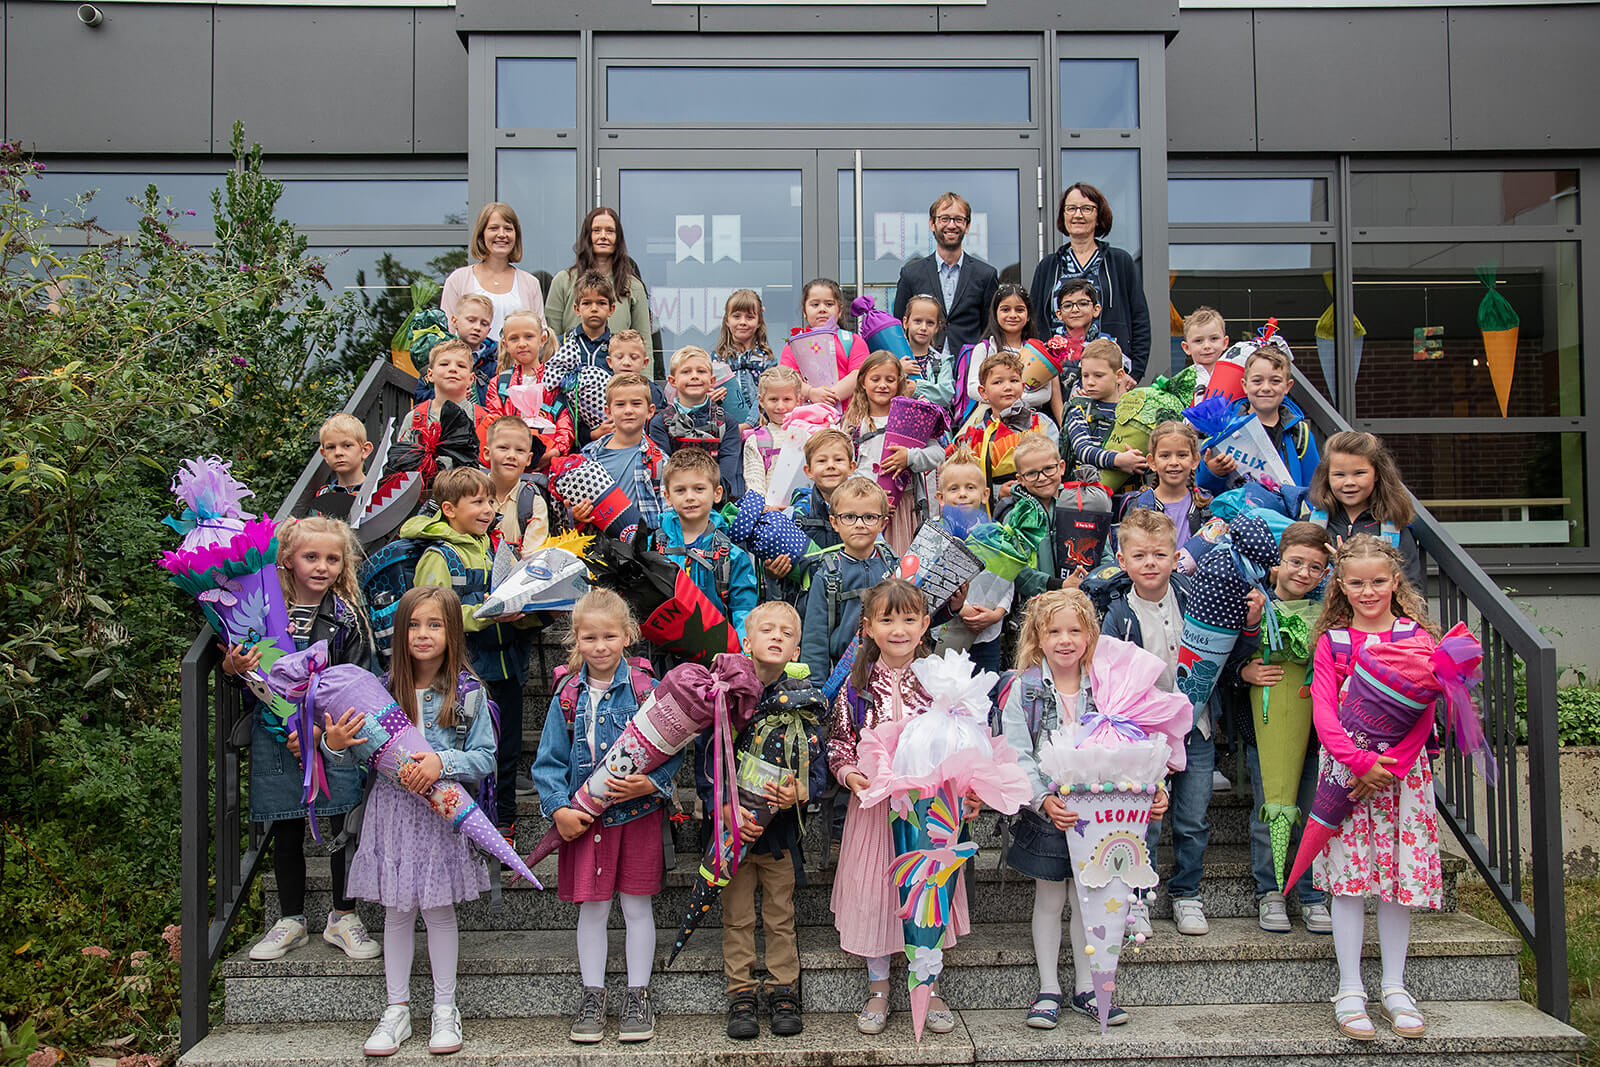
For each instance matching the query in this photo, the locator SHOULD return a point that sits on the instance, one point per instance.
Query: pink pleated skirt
(864, 903)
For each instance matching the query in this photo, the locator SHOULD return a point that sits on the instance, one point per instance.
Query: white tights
(1049, 900)
(399, 947)
(640, 944)
(1349, 929)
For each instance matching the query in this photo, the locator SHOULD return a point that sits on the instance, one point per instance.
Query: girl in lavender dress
(410, 860)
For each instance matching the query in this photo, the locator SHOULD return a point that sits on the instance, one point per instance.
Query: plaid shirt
(643, 490)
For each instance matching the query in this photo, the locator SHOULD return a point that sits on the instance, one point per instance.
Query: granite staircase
(1237, 996)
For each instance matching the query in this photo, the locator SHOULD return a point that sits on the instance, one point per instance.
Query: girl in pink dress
(881, 688)
(1389, 845)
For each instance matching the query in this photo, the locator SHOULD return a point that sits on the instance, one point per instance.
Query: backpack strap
(567, 684)
(719, 560)
(641, 677)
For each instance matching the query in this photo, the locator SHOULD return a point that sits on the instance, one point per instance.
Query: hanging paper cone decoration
(1327, 333)
(548, 579)
(880, 330)
(1041, 363)
(1138, 412)
(392, 741)
(816, 353)
(773, 747)
(1388, 708)
(688, 699)
(1281, 718)
(575, 479)
(1498, 321)
(923, 766)
(1216, 611)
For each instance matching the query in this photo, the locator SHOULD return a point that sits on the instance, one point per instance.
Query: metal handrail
(221, 850)
(1465, 593)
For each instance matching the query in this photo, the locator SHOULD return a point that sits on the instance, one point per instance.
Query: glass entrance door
(699, 232)
(896, 190)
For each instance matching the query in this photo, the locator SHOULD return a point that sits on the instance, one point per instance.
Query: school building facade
(1364, 174)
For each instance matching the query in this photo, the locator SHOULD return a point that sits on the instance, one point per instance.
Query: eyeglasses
(859, 520)
(946, 220)
(1309, 566)
(1079, 209)
(1078, 305)
(1377, 585)
(1042, 474)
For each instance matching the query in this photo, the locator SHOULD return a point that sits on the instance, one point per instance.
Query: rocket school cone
(1139, 411)
(1283, 726)
(1499, 324)
(1227, 376)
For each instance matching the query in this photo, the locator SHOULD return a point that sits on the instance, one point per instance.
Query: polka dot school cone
(767, 534)
(578, 478)
(1216, 609)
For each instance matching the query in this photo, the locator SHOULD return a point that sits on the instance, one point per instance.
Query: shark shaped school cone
(1216, 611)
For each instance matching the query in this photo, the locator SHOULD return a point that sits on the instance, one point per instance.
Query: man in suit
(964, 284)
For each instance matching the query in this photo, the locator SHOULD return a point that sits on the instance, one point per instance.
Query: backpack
(569, 686)
(719, 561)
(962, 405)
(466, 684)
(1034, 697)
(389, 572)
(828, 569)
(1344, 648)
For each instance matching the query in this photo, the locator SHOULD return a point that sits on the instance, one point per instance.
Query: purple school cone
(879, 329)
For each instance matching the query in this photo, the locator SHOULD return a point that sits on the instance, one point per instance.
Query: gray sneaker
(1319, 920)
(589, 1026)
(1272, 913)
(638, 1016)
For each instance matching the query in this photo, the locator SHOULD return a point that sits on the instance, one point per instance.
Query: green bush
(124, 356)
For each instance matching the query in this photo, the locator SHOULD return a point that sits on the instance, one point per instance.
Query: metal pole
(861, 257)
(195, 964)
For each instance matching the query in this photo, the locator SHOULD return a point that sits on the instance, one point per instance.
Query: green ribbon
(795, 719)
(1294, 645)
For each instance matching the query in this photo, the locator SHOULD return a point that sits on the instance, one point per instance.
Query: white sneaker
(347, 932)
(1190, 917)
(285, 934)
(393, 1030)
(446, 1033)
(1272, 912)
(1140, 914)
(1318, 919)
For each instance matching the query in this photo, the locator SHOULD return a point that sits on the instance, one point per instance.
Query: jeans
(1261, 841)
(1191, 830)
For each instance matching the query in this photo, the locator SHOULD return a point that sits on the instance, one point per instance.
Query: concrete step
(535, 972)
(1469, 1033)
(1227, 890)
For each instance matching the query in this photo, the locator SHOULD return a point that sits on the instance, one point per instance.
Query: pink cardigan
(460, 283)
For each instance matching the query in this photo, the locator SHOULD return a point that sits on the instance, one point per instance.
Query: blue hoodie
(741, 599)
(1302, 464)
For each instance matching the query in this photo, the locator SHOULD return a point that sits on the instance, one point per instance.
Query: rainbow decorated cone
(1388, 709)
(1499, 323)
(1282, 722)
(923, 766)
(1138, 412)
(1216, 609)
(391, 741)
(1108, 773)
(688, 699)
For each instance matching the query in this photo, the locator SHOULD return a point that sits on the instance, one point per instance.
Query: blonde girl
(410, 860)
(1357, 488)
(779, 390)
(1388, 847)
(317, 562)
(881, 688)
(743, 346)
(619, 854)
(1173, 454)
(880, 379)
(1051, 692)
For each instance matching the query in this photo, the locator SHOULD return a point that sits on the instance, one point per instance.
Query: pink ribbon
(314, 779)
(724, 775)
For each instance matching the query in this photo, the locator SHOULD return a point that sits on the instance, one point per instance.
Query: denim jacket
(564, 763)
(468, 765)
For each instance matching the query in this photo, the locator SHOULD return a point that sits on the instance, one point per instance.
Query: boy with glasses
(1077, 307)
(839, 575)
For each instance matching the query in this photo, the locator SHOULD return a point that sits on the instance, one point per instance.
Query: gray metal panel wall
(1352, 80)
(315, 79)
(719, 18)
(139, 82)
(1525, 77)
(571, 15)
(1211, 83)
(1072, 16)
(439, 91)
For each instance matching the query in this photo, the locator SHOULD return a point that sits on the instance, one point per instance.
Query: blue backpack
(389, 572)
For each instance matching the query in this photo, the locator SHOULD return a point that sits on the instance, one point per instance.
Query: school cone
(1283, 728)
(1499, 324)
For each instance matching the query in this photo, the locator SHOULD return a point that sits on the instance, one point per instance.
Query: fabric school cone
(1499, 324)
(1388, 708)
(1283, 727)
(769, 752)
(1216, 610)
(688, 699)
(911, 423)
(879, 329)
(1138, 412)
(574, 479)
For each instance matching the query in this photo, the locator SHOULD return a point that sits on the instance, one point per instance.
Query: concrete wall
(1580, 813)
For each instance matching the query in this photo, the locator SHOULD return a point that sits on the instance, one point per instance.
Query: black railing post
(194, 1003)
(1544, 811)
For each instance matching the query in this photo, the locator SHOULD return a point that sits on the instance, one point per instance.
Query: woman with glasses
(1084, 217)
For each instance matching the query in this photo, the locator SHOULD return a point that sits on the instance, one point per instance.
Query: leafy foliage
(124, 355)
(382, 315)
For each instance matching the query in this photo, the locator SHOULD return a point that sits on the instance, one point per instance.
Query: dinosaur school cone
(1499, 324)
(1138, 412)
(1282, 722)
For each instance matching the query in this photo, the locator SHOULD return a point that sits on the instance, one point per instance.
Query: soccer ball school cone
(688, 699)
(1282, 723)
(392, 741)
(1227, 374)
(1499, 324)
(1040, 363)
(1139, 411)
(1388, 708)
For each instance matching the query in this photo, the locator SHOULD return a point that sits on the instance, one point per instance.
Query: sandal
(1351, 1017)
(1402, 1012)
(940, 1020)
(873, 1022)
(1045, 1012)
